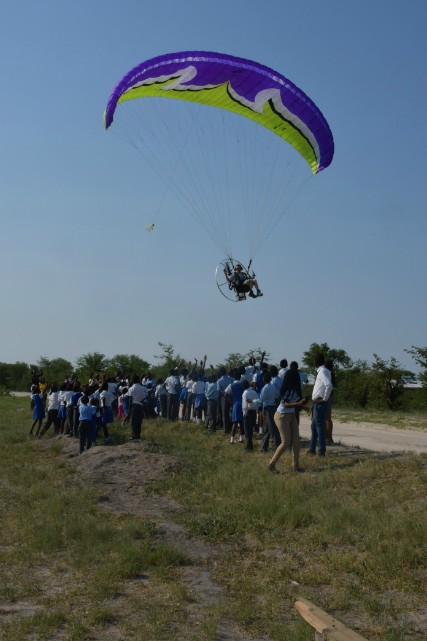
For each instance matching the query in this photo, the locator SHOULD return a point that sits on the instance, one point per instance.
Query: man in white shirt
(172, 388)
(250, 405)
(137, 394)
(321, 392)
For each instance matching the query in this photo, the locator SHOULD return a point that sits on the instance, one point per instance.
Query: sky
(80, 273)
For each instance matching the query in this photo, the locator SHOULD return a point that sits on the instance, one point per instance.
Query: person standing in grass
(285, 418)
(199, 398)
(212, 394)
(329, 425)
(173, 389)
(321, 392)
(69, 409)
(62, 414)
(137, 394)
(106, 400)
(52, 411)
(86, 415)
(76, 395)
(270, 398)
(235, 391)
(223, 400)
(37, 405)
(162, 398)
(250, 405)
(189, 404)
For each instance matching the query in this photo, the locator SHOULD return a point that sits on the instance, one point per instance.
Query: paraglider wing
(238, 85)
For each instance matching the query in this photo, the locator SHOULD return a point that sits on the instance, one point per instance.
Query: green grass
(348, 534)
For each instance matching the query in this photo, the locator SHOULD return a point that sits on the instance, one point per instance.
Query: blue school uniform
(125, 404)
(38, 409)
(199, 401)
(62, 412)
(237, 392)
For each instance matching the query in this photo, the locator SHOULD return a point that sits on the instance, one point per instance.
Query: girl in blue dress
(37, 405)
(235, 392)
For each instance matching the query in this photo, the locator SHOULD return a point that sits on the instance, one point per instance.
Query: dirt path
(124, 473)
(373, 437)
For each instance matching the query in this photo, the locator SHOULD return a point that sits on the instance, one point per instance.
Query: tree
(15, 376)
(128, 365)
(389, 373)
(419, 354)
(339, 356)
(234, 360)
(257, 354)
(93, 362)
(54, 370)
(169, 360)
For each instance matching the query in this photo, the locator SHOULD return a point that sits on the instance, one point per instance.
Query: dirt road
(373, 436)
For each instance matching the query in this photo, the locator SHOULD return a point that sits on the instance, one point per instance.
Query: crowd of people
(252, 402)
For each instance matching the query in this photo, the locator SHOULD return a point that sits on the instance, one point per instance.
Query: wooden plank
(325, 624)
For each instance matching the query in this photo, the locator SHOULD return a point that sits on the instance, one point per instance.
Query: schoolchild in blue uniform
(77, 394)
(212, 395)
(224, 403)
(270, 400)
(124, 403)
(37, 405)
(96, 418)
(235, 392)
(86, 414)
(62, 413)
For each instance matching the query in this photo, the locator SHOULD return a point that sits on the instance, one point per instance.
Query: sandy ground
(124, 473)
(372, 436)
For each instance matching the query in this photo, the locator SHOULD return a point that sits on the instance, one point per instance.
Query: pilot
(242, 282)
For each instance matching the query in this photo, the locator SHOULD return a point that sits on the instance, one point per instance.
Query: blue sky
(79, 272)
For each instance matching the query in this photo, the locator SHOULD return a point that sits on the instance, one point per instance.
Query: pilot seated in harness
(242, 283)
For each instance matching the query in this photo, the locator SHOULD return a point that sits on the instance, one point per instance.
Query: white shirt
(171, 384)
(323, 386)
(53, 401)
(250, 400)
(106, 398)
(68, 395)
(160, 390)
(250, 371)
(137, 393)
(283, 371)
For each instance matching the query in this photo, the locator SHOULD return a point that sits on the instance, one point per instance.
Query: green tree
(353, 386)
(15, 376)
(54, 370)
(419, 354)
(91, 363)
(339, 356)
(256, 354)
(168, 360)
(387, 380)
(234, 360)
(128, 365)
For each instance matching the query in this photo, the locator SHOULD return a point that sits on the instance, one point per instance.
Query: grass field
(225, 560)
